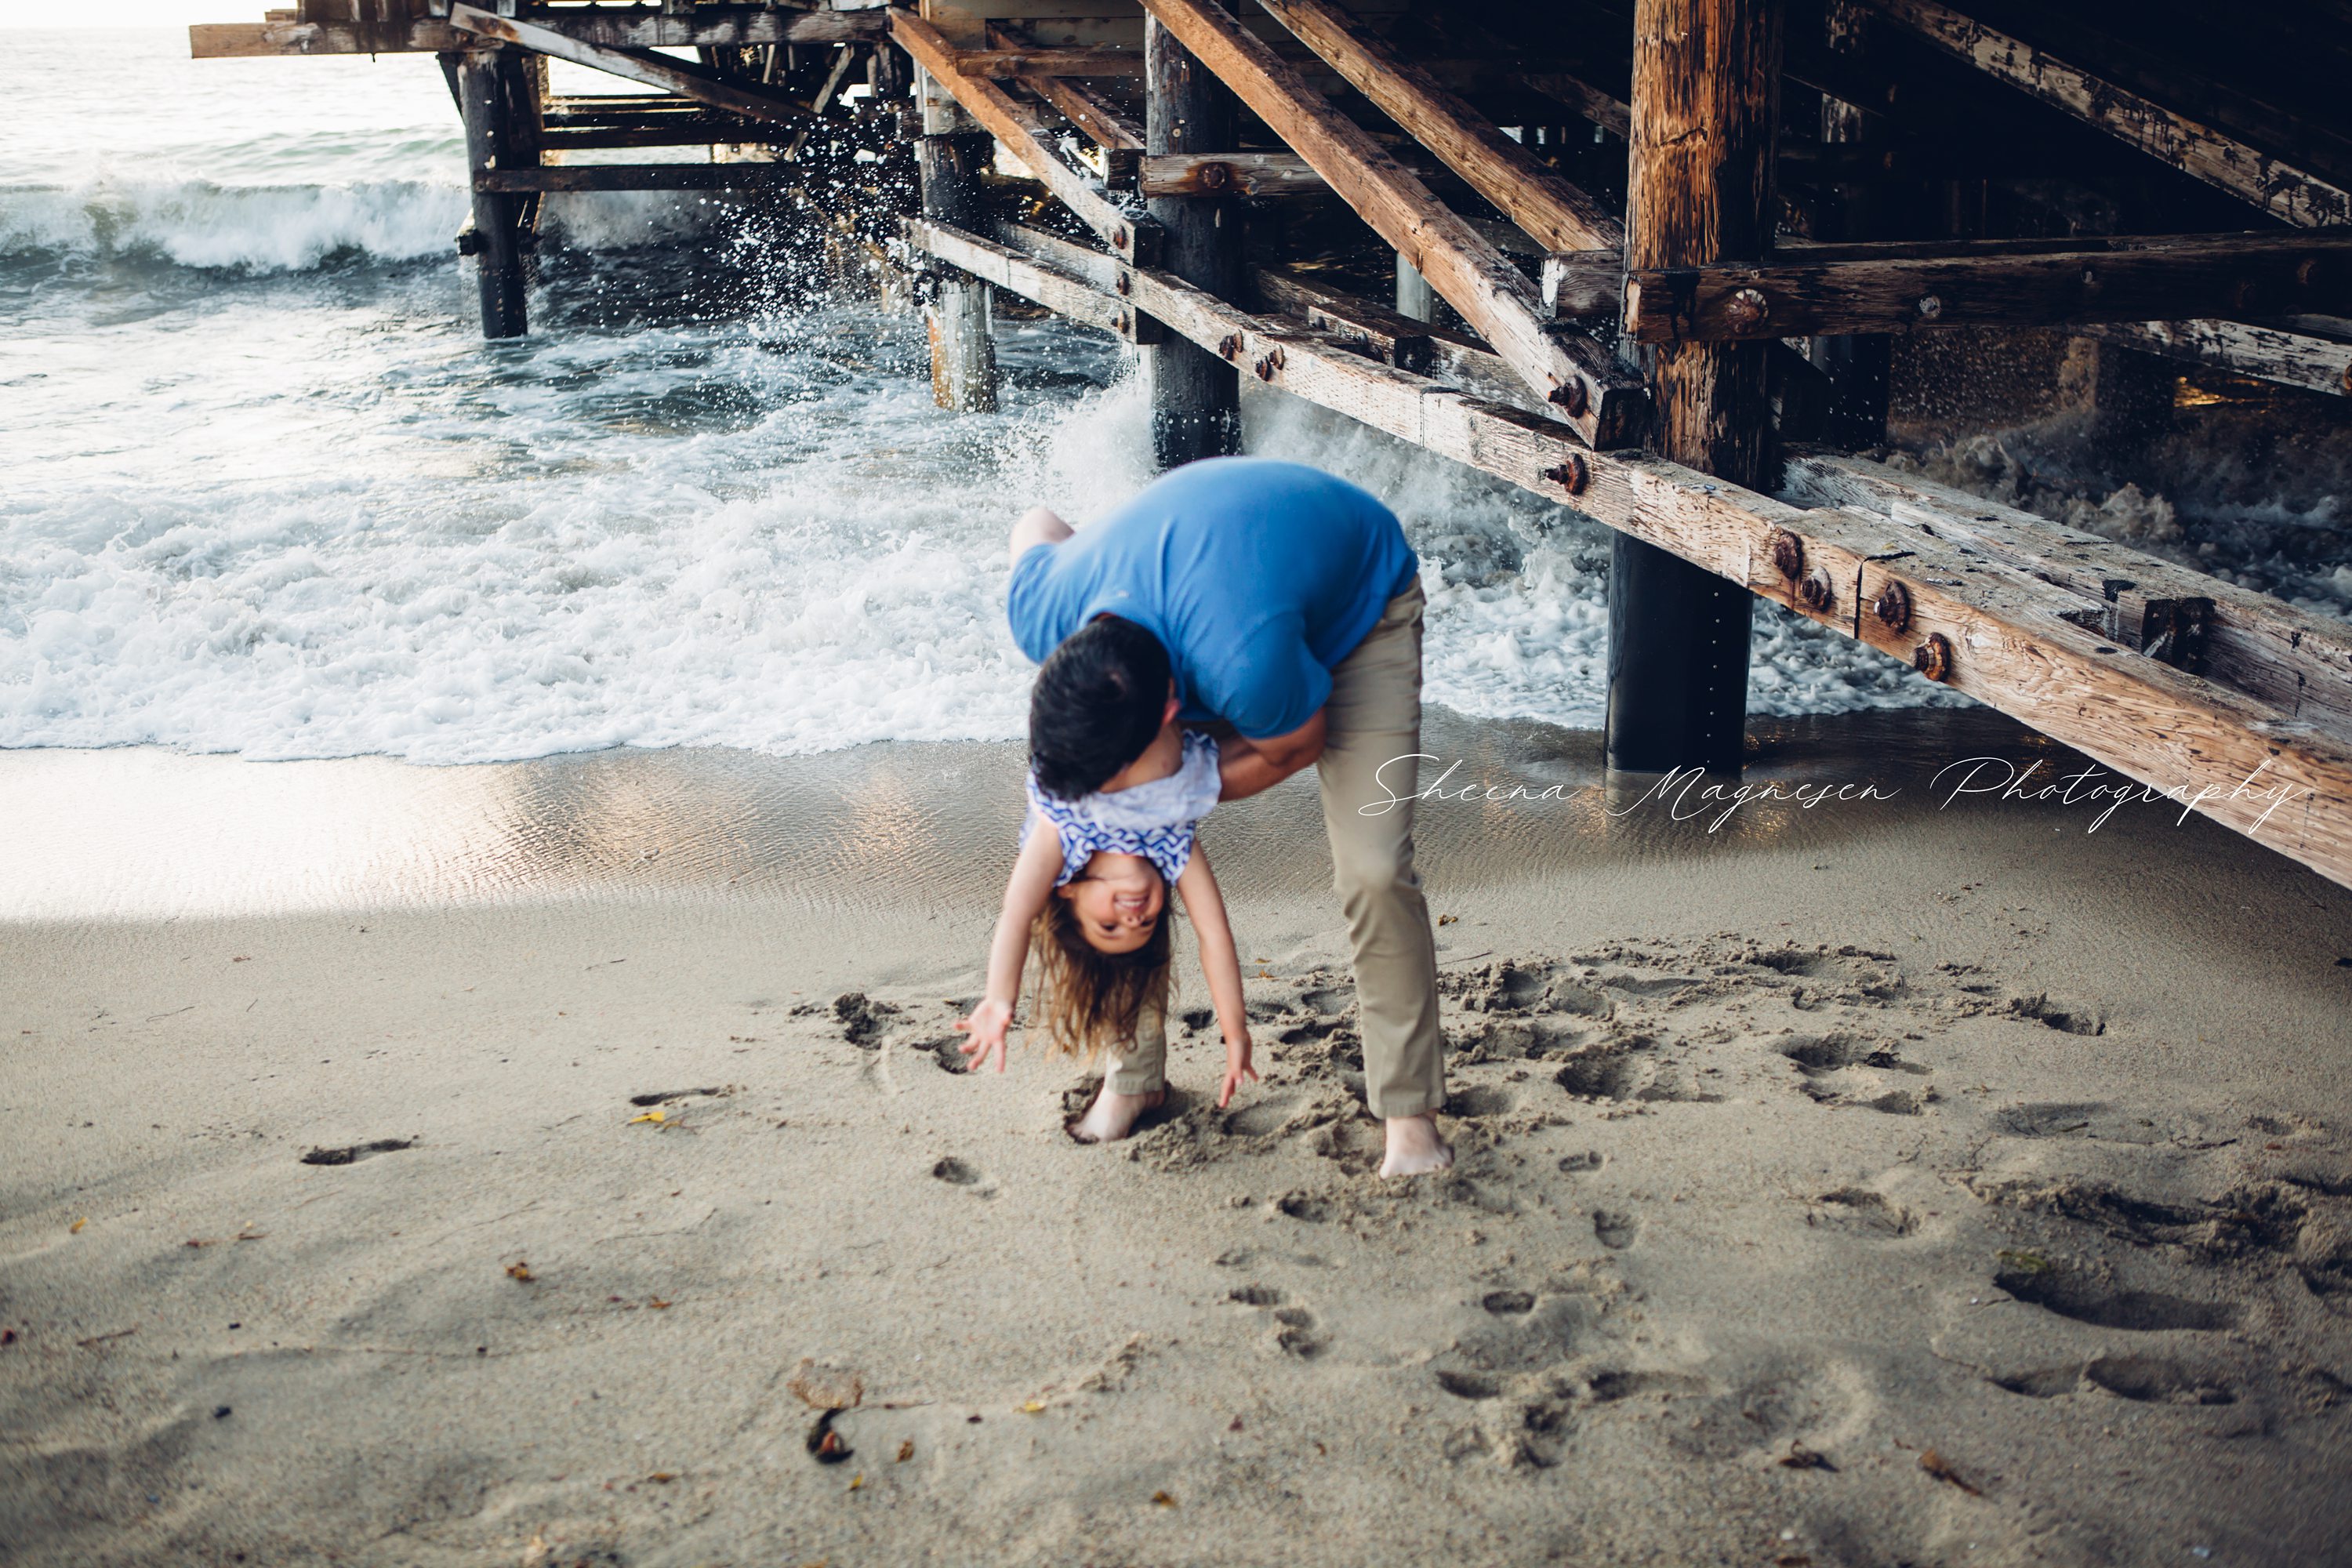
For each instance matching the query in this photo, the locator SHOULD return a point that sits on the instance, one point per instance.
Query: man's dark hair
(1096, 706)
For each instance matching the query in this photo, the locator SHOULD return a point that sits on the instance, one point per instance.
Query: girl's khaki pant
(1370, 770)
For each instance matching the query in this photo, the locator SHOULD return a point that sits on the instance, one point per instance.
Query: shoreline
(1863, 1132)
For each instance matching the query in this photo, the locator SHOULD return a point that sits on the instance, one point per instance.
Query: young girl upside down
(1090, 889)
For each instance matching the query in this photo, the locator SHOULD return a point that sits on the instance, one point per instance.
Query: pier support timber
(1414, 297)
(1195, 395)
(956, 308)
(1860, 366)
(499, 136)
(1706, 80)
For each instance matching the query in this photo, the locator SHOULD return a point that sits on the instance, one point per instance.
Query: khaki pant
(1373, 717)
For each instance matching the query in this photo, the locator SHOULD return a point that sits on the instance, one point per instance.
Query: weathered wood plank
(618, 28)
(1062, 293)
(2195, 149)
(746, 176)
(1017, 126)
(2295, 661)
(1556, 212)
(689, 132)
(683, 77)
(1226, 175)
(2266, 353)
(2006, 640)
(1894, 288)
(1574, 375)
(1442, 354)
(1001, 64)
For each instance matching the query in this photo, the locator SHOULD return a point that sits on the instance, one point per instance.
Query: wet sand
(1872, 1183)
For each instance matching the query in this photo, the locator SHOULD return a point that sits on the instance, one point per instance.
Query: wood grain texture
(2266, 353)
(1226, 175)
(1594, 394)
(2297, 663)
(1017, 126)
(1893, 288)
(688, 80)
(1558, 215)
(2012, 648)
(2196, 150)
(1002, 63)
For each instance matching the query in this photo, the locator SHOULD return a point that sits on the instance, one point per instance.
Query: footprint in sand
(2090, 1301)
(958, 1173)
(1481, 1100)
(1860, 1209)
(353, 1153)
(1613, 1229)
(2144, 1379)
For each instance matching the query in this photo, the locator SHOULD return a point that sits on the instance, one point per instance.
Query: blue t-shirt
(1257, 575)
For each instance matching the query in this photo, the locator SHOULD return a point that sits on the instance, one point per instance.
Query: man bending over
(1289, 606)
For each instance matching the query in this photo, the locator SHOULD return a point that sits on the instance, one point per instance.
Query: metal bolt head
(1788, 553)
(2344, 380)
(1217, 177)
(1893, 607)
(1931, 307)
(1571, 476)
(1126, 284)
(1933, 657)
(1816, 592)
(1229, 347)
(1572, 397)
(1747, 307)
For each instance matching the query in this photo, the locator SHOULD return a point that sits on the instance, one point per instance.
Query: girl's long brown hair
(1090, 1002)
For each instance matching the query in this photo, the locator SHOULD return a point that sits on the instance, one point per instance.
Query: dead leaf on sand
(857, 1482)
(1163, 1499)
(520, 1271)
(1800, 1457)
(75, 1229)
(824, 1444)
(663, 1477)
(906, 1450)
(656, 1116)
(1935, 1465)
(825, 1387)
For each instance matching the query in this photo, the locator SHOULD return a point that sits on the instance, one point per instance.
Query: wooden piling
(1195, 395)
(496, 139)
(1705, 91)
(1414, 297)
(1860, 366)
(956, 307)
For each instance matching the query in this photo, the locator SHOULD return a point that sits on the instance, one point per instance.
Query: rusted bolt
(1893, 607)
(2308, 272)
(1933, 657)
(1269, 364)
(1747, 307)
(2344, 380)
(1931, 307)
(1118, 236)
(1788, 553)
(1571, 476)
(1217, 177)
(1571, 395)
(1125, 284)
(1229, 347)
(1815, 592)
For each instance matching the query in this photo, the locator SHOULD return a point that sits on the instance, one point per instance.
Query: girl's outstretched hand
(1237, 1067)
(986, 1027)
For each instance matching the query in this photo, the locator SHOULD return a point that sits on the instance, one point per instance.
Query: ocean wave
(298, 227)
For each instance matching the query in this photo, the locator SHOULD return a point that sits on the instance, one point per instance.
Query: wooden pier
(1644, 257)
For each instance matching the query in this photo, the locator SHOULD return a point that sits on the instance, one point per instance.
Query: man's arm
(1246, 766)
(1037, 526)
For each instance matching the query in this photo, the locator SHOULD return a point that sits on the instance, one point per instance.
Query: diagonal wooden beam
(1016, 125)
(1896, 287)
(2195, 149)
(688, 80)
(2265, 353)
(1992, 630)
(1599, 397)
(1080, 105)
(1028, 62)
(1556, 214)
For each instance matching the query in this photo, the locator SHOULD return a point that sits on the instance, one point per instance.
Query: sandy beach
(510, 1164)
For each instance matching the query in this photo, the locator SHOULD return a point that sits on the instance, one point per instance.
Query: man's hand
(986, 1027)
(1237, 1067)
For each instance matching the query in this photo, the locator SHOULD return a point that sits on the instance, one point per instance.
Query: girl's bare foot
(1414, 1149)
(1112, 1116)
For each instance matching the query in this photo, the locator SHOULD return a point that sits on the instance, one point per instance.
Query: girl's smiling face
(1117, 898)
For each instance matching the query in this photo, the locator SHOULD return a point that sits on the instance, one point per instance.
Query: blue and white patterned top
(1155, 820)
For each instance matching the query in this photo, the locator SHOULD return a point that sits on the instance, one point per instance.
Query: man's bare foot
(1414, 1149)
(1112, 1116)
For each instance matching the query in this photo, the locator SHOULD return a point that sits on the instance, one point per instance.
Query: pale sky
(45, 14)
